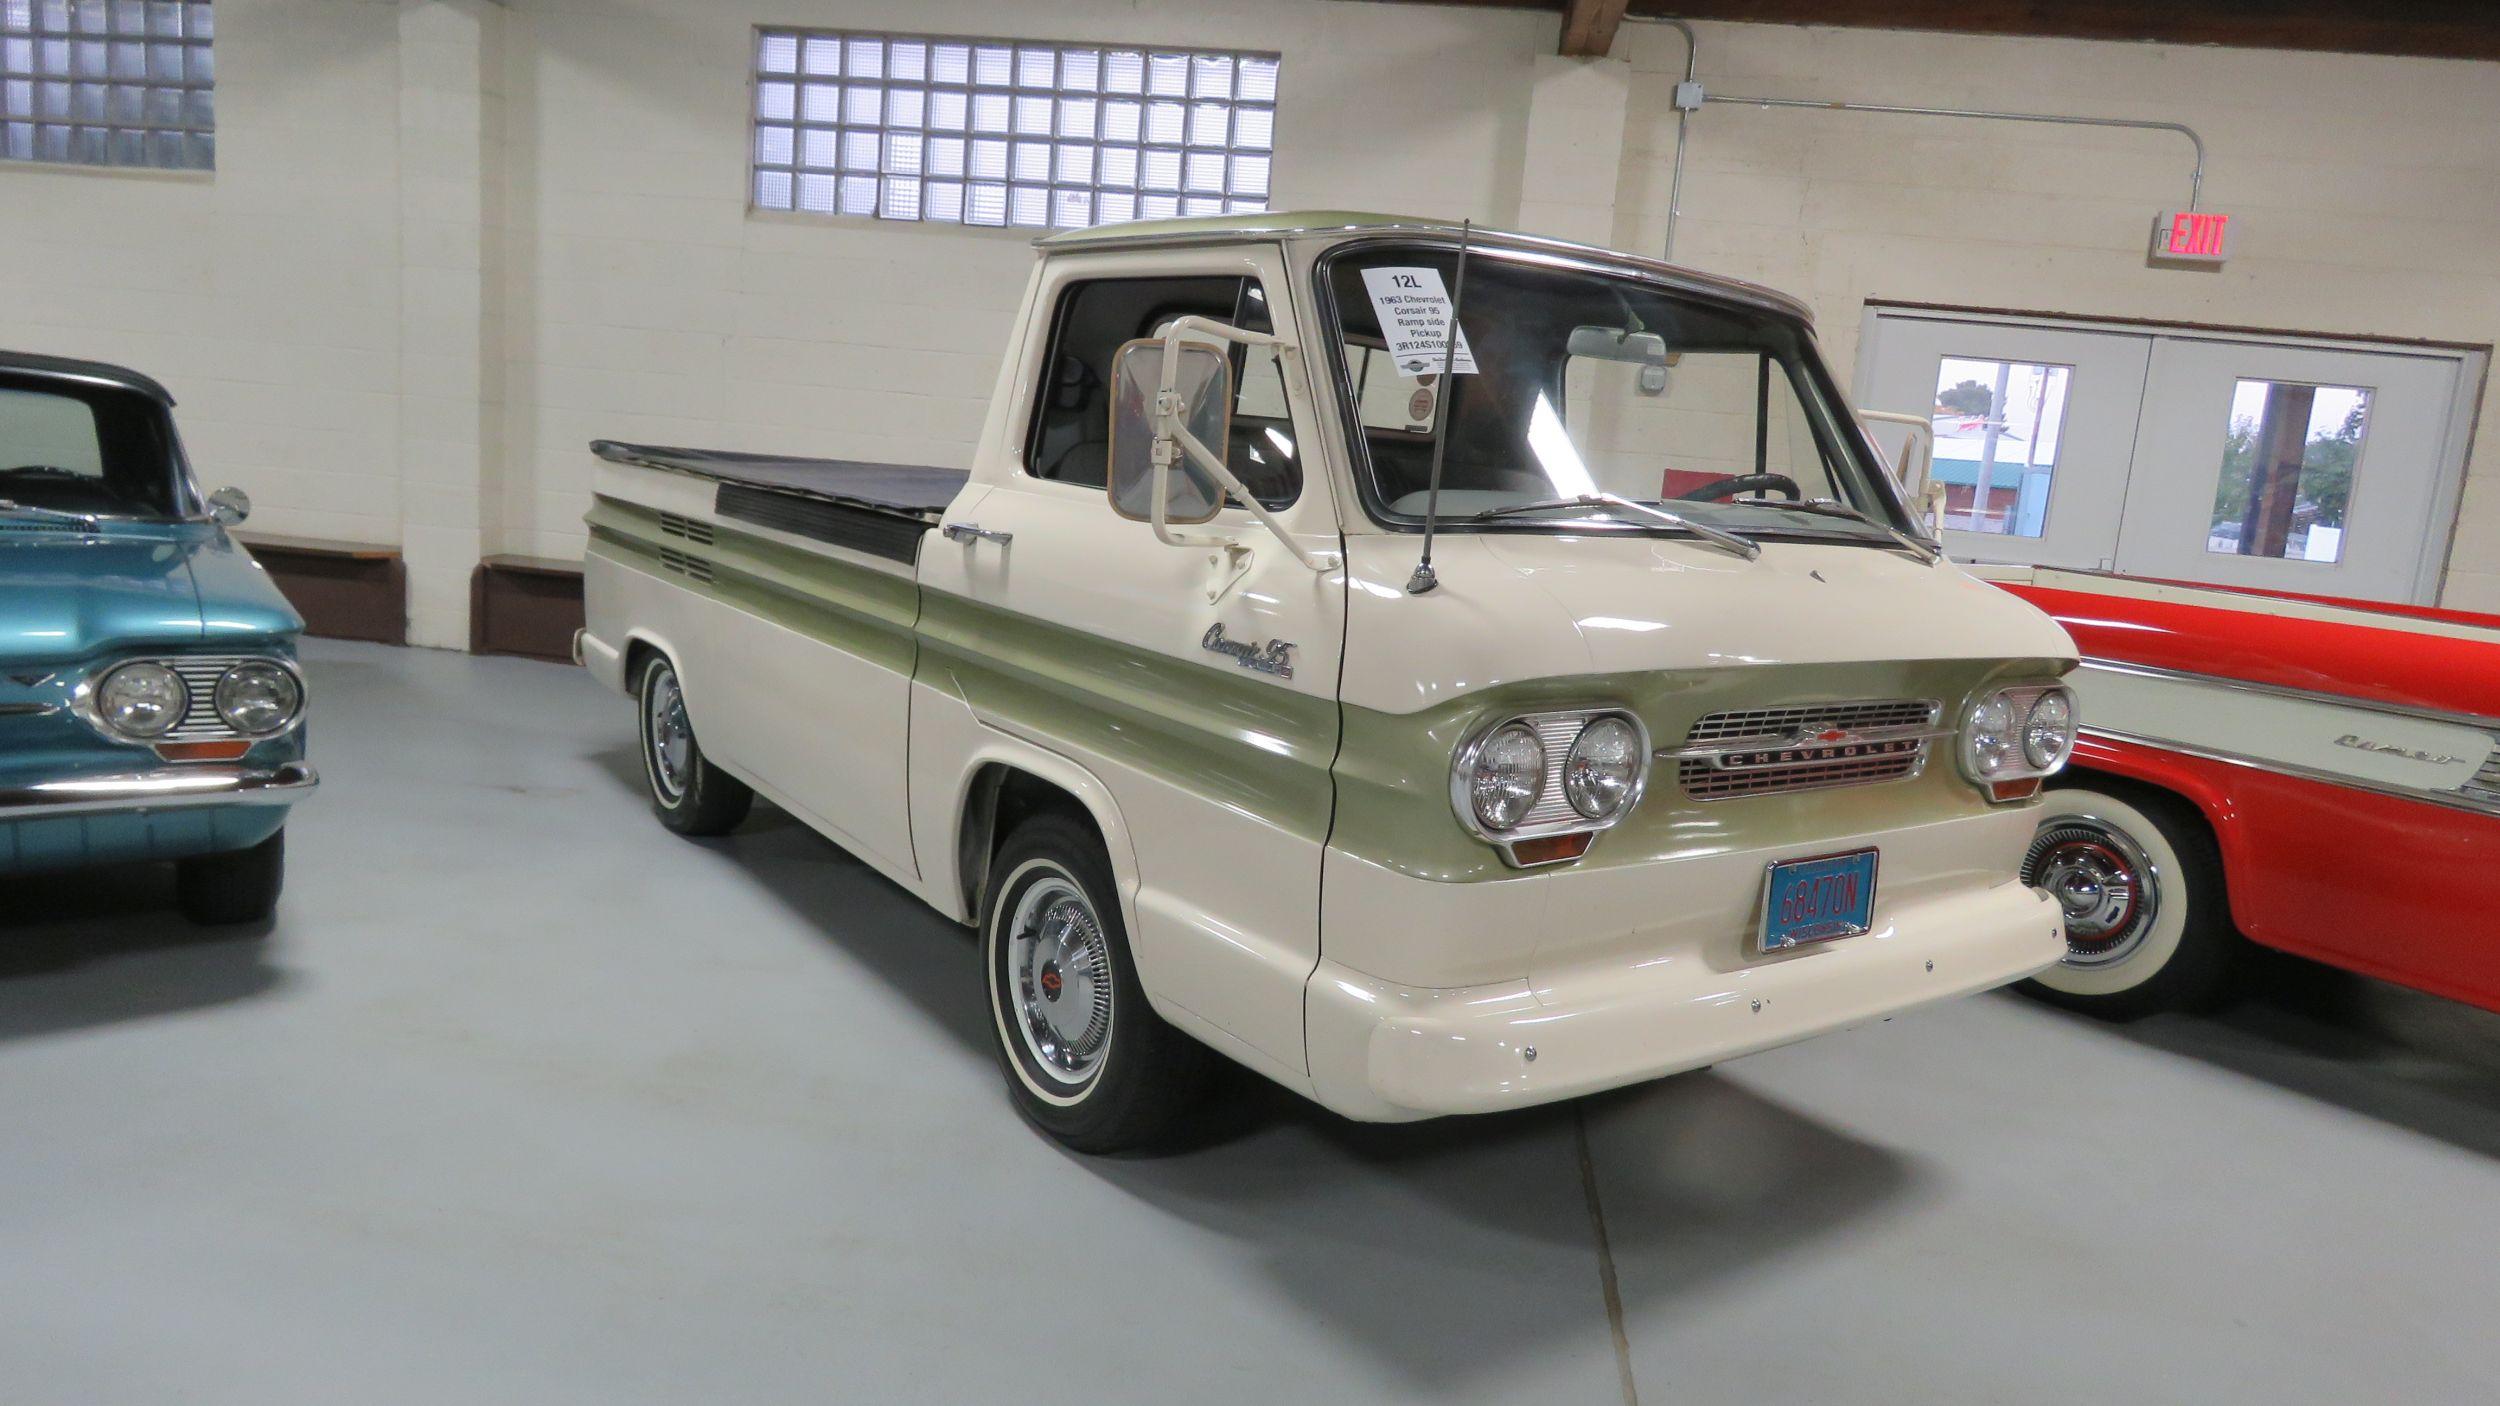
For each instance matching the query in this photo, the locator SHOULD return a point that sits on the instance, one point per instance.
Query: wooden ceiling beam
(2448, 29)
(1588, 27)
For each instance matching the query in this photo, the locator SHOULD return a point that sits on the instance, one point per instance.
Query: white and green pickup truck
(1432, 725)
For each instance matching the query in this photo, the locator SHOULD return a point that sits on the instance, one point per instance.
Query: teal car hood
(67, 597)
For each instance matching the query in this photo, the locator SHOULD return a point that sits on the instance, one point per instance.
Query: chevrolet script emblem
(1272, 657)
(2389, 749)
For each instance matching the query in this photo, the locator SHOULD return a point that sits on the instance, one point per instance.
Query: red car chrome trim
(2455, 800)
(2407, 668)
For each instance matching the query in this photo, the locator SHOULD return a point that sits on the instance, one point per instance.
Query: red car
(2316, 775)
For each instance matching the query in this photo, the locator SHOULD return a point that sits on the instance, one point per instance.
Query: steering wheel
(1726, 488)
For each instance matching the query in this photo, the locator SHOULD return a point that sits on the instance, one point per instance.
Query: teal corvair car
(151, 707)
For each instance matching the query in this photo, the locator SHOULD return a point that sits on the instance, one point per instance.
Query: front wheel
(2148, 926)
(240, 887)
(1087, 1060)
(689, 794)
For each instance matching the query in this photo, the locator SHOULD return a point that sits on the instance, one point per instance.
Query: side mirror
(1914, 471)
(229, 506)
(1202, 380)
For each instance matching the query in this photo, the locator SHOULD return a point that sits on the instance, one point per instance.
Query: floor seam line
(1606, 1281)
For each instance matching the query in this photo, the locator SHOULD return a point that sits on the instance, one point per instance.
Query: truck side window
(1069, 441)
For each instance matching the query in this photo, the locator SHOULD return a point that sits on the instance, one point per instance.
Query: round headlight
(1509, 776)
(2050, 733)
(1603, 766)
(1988, 736)
(141, 700)
(257, 697)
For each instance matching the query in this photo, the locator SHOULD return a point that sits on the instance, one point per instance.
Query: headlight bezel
(100, 708)
(2016, 763)
(295, 687)
(200, 720)
(1552, 816)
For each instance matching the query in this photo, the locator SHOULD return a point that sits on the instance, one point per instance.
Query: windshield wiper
(1926, 554)
(1718, 537)
(86, 520)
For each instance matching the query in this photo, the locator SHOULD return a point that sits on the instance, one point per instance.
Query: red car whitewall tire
(2148, 927)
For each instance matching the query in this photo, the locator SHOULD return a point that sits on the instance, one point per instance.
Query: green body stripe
(1209, 728)
(866, 610)
(1243, 742)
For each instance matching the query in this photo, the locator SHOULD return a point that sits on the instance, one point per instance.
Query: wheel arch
(2144, 774)
(1004, 784)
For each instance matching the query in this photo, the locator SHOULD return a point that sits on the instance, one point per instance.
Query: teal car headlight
(141, 701)
(258, 697)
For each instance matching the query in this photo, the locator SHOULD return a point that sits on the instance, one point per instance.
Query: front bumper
(172, 788)
(1385, 1053)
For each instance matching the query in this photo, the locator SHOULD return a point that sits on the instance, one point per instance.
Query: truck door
(1197, 685)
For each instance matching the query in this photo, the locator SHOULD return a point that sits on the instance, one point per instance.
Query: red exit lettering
(2200, 236)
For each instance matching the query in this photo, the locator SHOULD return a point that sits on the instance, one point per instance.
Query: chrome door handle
(969, 532)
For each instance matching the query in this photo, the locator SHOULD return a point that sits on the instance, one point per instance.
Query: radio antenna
(1425, 578)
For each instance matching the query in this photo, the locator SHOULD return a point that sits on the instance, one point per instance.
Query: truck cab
(1432, 724)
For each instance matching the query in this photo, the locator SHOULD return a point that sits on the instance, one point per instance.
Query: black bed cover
(904, 489)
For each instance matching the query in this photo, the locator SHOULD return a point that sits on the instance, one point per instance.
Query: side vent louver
(693, 534)
(684, 565)
(699, 533)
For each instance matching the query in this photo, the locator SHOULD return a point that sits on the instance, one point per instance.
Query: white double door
(2235, 460)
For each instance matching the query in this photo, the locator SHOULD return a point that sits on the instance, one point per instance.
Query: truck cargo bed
(907, 489)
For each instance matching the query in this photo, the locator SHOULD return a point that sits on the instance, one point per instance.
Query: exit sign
(2191, 237)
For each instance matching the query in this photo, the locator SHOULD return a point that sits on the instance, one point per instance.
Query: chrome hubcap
(672, 740)
(2108, 890)
(1060, 965)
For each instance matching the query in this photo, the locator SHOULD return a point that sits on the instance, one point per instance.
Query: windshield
(77, 448)
(1574, 383)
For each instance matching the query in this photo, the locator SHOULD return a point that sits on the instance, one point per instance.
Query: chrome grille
(199, 674)
(1557, 732)
(1770, 751)
(674, 525)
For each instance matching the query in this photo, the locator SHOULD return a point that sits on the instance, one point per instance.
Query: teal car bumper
(126, 817)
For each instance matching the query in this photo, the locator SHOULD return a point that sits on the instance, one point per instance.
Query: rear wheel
(1087, 1060)
(689, 794)
(240, 887)
(2148, 926)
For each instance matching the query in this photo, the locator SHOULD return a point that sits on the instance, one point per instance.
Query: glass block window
(109, 83)
(1007, 131)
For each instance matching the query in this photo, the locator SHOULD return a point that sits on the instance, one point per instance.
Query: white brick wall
(450, 241)
(266, 296)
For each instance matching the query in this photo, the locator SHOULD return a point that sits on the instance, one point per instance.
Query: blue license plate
(1816, 900)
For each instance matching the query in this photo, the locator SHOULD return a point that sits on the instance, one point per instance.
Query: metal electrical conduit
(1684, 111)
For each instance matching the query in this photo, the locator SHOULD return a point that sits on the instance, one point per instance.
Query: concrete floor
(524, 1100)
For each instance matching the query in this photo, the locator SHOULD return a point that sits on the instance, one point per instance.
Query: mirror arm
(1173, 440)
(1204, 459)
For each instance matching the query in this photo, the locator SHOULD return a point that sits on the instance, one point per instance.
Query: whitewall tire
(2148, 926)
(1086, 1059)
(689, 794)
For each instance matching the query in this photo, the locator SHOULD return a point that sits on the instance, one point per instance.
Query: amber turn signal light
(202, 751)
(2022, 790)
(1552, 848)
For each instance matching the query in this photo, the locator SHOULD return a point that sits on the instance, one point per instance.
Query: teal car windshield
(1586, 384)
(95, 450)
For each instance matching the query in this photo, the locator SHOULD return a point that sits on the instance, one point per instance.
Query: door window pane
(1997, 426)
(2287, 463)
